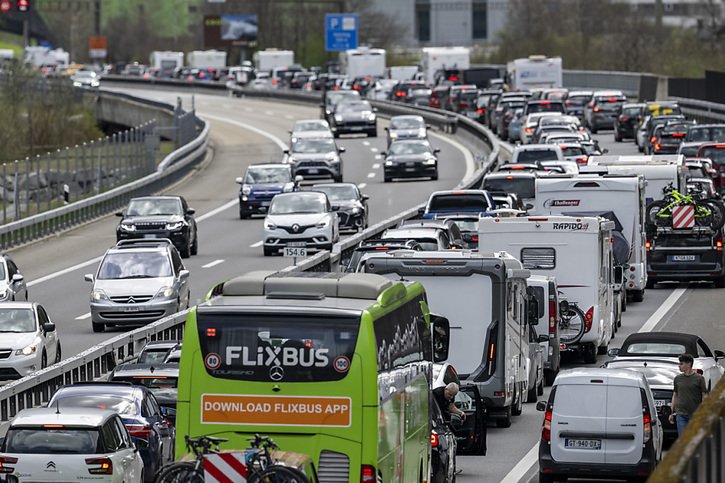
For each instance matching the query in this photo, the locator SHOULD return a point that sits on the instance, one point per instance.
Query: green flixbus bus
(332, 365)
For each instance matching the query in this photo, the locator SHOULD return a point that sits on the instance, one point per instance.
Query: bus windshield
(305, 348)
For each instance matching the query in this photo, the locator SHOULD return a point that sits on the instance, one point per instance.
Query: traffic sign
(5, 6)
(341, 32)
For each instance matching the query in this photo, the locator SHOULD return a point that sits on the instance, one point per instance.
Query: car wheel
(617, 137)
(602, 349)
(269, 251)
(434, 177)
(531, 393)
(387, 179)
(58, 354)
(195, 245)
(720, 282)
(544, 478)
(505, 422)
(243, 215)
(518, 405)
(637, 295)
(98, 327)
(590, 354)
(185, 251)
(549, 376)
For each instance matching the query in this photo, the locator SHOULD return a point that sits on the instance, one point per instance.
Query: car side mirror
(286, 151)
(365, 197)
(529, 206)
(375, 109)
(441, 337)
(119, 213)
(289, 131)
(49, 327)
(532, 306)
(383, 153)
(239, 180)
(542, 338)
(618, 274)
(719, 354)
(336, 208)
(563, 307)
(322, 106)
(18, 277)
(613, 352)
(299, 178)
(141, 443)
(183, 273)
(605, 151)
(88, 277)
(386, 128)
(541, 406)
(341, 149)
(190, 211)
(436, 151)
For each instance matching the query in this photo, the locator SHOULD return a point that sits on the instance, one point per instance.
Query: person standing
(689, 391)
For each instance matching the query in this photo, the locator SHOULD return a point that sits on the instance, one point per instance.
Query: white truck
(39, 56)
(439, 58)
(578, 252)
(363, 62)
(166, 61)
(206, 59)
(536, 71)
(403, 72)
(266, 60)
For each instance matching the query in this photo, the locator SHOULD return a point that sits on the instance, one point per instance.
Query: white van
(483, 295)
(578, 252)
(591, 195)
(546, 291)
(599, 423)
(658, 171)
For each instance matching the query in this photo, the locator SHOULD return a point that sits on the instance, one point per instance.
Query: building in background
(681, 13)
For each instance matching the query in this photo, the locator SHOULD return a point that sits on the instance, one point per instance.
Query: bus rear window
(462, 202)
(278, 348)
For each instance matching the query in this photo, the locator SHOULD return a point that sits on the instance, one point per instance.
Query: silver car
(406, 127)
(28, 340)
(303, 219)
(12, 282)
(138, 282)
(310, 128)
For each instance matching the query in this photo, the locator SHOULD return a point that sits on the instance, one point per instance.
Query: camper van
(617, 198)
(489, 332)
(578, 252)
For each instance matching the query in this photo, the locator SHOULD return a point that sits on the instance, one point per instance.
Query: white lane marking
(371, 175)
(64, 271)
(376, 165)
(248, 109)
(269, 113)
(375, 150)
(378, 156)
(470, 163)
(85, 316)
(362, 185)
(212, 264)
(215, 211)
(256, 245)
(366, 143)
(269, 136)
(288, 116)
(532, 457)
(523, 467)
(662, 311)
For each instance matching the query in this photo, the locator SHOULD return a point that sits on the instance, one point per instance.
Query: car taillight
(648, 245)
(367, 474)
(657, 147)
(588, 318)
(462, 104)
(139, 430)
(100, 466)
(596, 109)
(546, 428)
(678, 135)
(433, 439)
(718, 246)
(552, 317)
(474, 238)
(653, 139)
(480, 110)
(582, 160)
(5, 461)
(529, 130)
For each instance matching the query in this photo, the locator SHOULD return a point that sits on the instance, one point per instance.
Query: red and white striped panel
(225, 468)
(683, 217)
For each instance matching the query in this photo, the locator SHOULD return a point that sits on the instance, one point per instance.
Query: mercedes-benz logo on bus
(276, 373)
(295, 228)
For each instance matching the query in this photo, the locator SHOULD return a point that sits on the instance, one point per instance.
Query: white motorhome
(363, 62)
(437, 58)
(658, 171)
(591, 195)
(166, 61)
(403, 72)
(39, 56)
(206, 59)
(483, 295)
(266, 60)
(578, 252)
(536, 71)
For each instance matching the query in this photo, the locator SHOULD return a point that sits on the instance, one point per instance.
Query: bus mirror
(618, 272)
(441, 337)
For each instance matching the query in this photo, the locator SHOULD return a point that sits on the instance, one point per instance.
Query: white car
(300, 219)
(28, 339)
(70, 444)
(310, 128)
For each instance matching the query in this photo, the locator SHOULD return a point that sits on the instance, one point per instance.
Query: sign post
(341, 31)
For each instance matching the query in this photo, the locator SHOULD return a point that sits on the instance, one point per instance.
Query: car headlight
(246, 189)
(27, 351)
(288, 187)
(422, 133)
(330, 156)
(338, 118)
(128, 227)
(268, 225)
(323, 224)
(95, 84)
(77, 84)
(98, 295)
(393, 135)
(165, 293)
(356, 211)
(389, 163)
(174, 225)
(371, 116)
(430, 161)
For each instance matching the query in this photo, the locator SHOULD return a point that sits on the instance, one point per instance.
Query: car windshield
(573, 150)
(654, 348)
(17, 320)
(310, 126)
(524, 187)
(118, 404)
(545, 107)
(530, 155)
(150, 381)
(149, 356)
(311, 146)
(297, 203)
(121, 265)
(577, 100)
(459, 202)
(338, 193)
(354, 106)
(153, 207)
(714, 134)
(409, 148)
(267, 175)
(714, 153)
(37, 440)
(428, 244)
(406, 123)
(630, 111)
(467, 225)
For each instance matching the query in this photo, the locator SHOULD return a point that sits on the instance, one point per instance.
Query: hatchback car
(603, 109)
(261, 183)
(406, 127)
(315, 159)
(624, 123)
(161, 378)
(12, 282)
(447, 202)
(160, 217)
(352, 117)
(305, 219)
(28, 339)
(139, 411)
(138, 282)
(351, 205)
(410, 159)
(429, 239)
(71, 444)
(86, 78)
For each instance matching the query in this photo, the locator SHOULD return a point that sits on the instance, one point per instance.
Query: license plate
(313, 171)
(583, 443)
(295, 252)
(296, 244)
(660, 403)
(150, 235)
(264, 203)
(409, 170)
(132, 309)
(684, 258)
(410, 164)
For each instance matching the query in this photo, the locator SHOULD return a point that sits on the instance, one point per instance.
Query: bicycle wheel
(717, 219)
(183, 471)
(571, 327)
(278, 474)
(653, 210)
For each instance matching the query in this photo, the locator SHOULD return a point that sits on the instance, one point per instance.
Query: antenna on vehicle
(57, 406)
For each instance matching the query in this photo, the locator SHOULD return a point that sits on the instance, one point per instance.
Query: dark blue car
(260, 184)
(139, 411)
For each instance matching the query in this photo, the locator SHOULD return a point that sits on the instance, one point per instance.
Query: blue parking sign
(340, 31)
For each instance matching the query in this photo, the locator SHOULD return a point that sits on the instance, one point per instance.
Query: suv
(603, 109)
(261, 183)
(12, 282)
(315, 158)
(138, 282)
(626, 120)
(160, 217)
